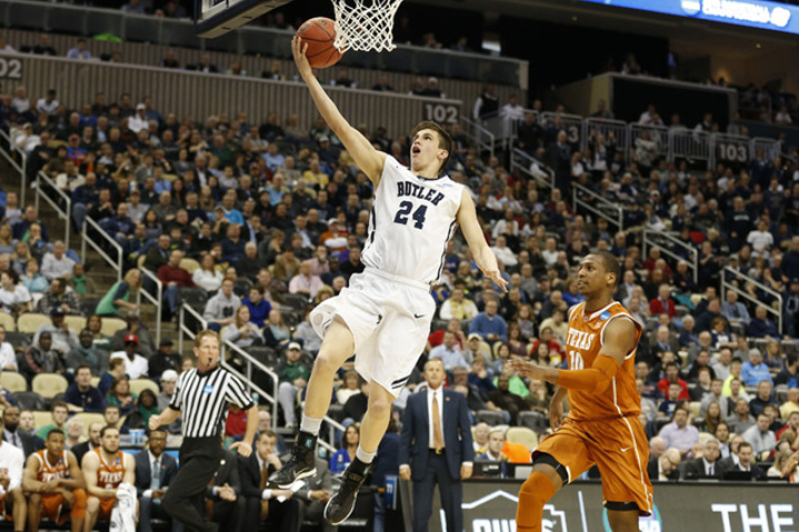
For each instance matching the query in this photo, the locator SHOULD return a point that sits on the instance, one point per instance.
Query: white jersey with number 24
(411, 222)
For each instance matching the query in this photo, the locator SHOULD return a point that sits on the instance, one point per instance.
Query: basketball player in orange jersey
(603, 426)
(55, 483)
(104, 469)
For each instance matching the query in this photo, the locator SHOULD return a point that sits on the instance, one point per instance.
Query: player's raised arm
(483, 256)
(368, 159)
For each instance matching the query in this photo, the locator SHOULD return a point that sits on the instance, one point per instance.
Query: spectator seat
(20, 340)
(523, 435)
(76, 322)
(88, 306)
(336, 412)
(7, 321)
(29, 400)
(296, 301)
(112, 325)
(489, 417)
(781, 393)
(138, 385)
(30, 322)
(265, 355)
(49, 385)
(95, 382)
(190, 265)
(88, 418)
(292, 318)
(41, 418)
(243, 284)
(536, 421)
(196, 298)
(13, 382)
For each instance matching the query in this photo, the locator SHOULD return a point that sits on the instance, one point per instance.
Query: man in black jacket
(154, 471)
(262, 503)
(19, 438)
(665, 467)
(705, 467)
(223, 498)
(89, 445)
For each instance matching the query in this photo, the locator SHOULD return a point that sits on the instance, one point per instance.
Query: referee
(203, 395)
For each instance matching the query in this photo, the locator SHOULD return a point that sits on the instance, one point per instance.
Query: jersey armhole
(615, 316)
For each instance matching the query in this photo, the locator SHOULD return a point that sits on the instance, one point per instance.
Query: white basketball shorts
(389, 318)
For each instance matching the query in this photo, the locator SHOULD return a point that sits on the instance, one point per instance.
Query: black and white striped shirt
(203, 400)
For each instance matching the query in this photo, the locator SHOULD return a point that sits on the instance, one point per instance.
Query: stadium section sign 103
(753, 13)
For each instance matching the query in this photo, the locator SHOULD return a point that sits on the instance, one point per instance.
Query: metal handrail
(155, 300)
(523, 161)
(726, 285)
(693, 263)
(475, 132)
(117, 265)
(250, 362)
(62, 213)
(23, 173)
(182, 328)
(617, 220)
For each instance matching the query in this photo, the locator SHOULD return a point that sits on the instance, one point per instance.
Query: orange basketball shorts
(53, 507)
(618, 447)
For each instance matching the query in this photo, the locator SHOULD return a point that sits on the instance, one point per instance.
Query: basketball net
(365, 24)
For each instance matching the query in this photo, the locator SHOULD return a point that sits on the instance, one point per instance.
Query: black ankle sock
(306, 439)
(356, 466)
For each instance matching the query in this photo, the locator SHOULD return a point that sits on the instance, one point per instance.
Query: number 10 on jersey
(576, 360)
(418, 215)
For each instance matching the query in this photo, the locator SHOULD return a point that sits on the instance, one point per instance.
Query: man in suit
(89, 445)
(223, 499)
(666, 467)
(263, 504)
(315, 494)
(705, 467)
(436, 447)
(663, 340)
(29, 443)
(154, 471)
(745, 462)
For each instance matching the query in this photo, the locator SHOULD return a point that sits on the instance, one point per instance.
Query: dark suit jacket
(228, 474)
(726, 464)
(414, 446)
(652, 470)
(696, 469)
(30, 443)
(323, 480)
(250, 475)
(169, 468)
(81, 449)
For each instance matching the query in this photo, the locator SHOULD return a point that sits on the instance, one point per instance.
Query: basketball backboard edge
(217, 17)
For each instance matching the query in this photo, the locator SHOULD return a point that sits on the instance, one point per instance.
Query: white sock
(364, 456)
(310, 425)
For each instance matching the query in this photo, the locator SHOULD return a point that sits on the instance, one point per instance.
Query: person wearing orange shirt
(603, 426)
(55, 483)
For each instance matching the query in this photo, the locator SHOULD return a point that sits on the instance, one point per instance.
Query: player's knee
(92, 505)
(379, 406)
(536, 490)
(80, 498)
(326, 363)
(18, 495)
(35, 499)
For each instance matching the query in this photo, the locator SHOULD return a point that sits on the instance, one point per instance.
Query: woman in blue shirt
(345, 455)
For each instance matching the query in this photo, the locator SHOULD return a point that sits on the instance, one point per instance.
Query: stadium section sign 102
(753, 13)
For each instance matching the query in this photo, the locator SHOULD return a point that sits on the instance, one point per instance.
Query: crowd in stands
(255, 223)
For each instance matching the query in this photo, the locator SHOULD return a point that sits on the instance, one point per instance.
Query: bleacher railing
(115, 264)
(479, 135)
(666, 243)
(733, 280)
(156, 300)
(671, 143)
(532, 168)
(20, 168)
(251, 363)
(600, 206)
(63, 210)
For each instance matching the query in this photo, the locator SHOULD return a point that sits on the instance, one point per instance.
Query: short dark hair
(444, 138)
(111, 407)
(107, 427)
(266, 433)
(610, 263)
(59, 404)
(54, 431)
(745, 444)
(83, 366)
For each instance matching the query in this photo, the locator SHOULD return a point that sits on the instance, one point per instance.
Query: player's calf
(535, 493)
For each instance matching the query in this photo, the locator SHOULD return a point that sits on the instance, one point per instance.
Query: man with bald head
(665, 467)
(305, 282)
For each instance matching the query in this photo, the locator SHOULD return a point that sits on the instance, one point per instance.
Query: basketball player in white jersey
(384, 315)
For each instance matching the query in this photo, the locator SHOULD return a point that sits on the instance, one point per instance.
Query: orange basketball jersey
(49, 472)
(583, 344)
(110, 475)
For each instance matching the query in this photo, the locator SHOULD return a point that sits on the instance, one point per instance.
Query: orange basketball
(319, 33)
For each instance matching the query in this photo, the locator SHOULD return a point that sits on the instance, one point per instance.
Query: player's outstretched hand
(497, 278)
(244, 448)
(298, 48)
(526, 369)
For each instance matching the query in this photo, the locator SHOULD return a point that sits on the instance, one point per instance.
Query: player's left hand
(466, 471)
(526, 369)
(244, 448)
(497, 278)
